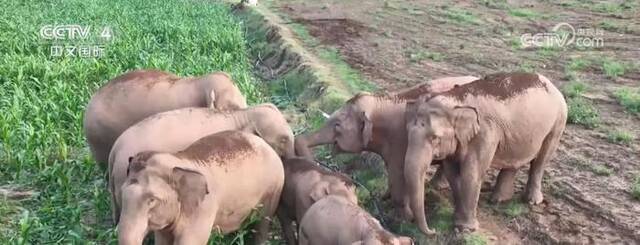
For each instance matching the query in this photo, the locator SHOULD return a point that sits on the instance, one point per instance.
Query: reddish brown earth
(396, 44)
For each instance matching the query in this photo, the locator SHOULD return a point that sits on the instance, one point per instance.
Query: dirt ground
(396, 44)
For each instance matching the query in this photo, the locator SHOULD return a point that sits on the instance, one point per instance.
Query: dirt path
(400, 43)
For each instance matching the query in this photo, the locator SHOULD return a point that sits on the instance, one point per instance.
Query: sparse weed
(596, 168)
(612, 68)
(629, 99)
(474, 239)
(461, 16)
(574, 89)
(635, 188)
(601, 170)
(497, 4)
(612, 26)
(525, 13)
(513, 208)
(614, 8)
(578, 64)
(527, 66)
(583, 112)
(574, 66)
(620, 137)
(423, 54)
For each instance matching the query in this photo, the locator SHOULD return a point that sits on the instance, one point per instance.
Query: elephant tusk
(324, 114)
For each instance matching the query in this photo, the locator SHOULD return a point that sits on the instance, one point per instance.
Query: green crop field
(61, 193)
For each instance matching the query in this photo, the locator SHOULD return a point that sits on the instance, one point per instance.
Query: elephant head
(435, 131)
(349, 128)
(268, 123)
(157, 195)
(379, 236)
(343, 188)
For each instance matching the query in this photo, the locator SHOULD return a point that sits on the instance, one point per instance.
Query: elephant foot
(406, 214)
(439, 183)
(467, 226)
(429, 232)
(501, 196)
(534, 197)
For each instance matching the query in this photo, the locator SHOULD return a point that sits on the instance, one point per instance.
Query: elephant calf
(336, 220)
(505, 120)
(175, 130)
(135, 95)
(214, 184)
(305, 183)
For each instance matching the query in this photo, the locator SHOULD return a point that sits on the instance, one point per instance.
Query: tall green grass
(42, 99)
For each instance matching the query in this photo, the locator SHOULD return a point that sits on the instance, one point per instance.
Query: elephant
(135, 95)
(336, 220)
(305, 183)
(174, 130)
(214, 184)
(375, 123)
(504, 121)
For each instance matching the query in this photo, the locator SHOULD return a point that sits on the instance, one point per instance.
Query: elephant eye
(152, 200)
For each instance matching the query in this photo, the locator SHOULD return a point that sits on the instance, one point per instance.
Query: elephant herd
(187, 156)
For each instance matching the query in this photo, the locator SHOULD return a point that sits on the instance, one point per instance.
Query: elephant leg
(451, 171)
(472, 169)
(162, 239)
(396, 189)
(533, 191)
(287, 227)
(503, 190)
(439, 181)
(269, 211)
(262, 231)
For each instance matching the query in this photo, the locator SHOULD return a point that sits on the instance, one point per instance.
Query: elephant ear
(252, 128)
(191, 187)
(367, 129)
(466, 123)
(319, 191)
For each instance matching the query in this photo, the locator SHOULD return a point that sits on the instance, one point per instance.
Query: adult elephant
(135, 95)
(505, 120)
(375, 123)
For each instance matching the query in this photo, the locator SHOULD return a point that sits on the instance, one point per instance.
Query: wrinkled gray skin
(305, 183)
(506, 121)
(214, 184)
(337, 221)
(376, 123)
(135, 95)
(175, 130)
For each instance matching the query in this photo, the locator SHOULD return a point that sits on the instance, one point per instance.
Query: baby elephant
(136, 95)
(336, 220)
(214, 184)
(305, 183)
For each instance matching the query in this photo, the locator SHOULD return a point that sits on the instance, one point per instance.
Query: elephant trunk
(133, 226)
(325, 135)
(417, 161)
